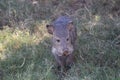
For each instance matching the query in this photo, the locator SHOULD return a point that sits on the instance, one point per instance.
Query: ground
(25, 48)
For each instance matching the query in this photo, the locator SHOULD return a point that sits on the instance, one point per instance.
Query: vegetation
(25, 48)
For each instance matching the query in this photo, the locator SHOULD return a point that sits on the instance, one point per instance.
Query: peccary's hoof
(58, 68)
(67, 68)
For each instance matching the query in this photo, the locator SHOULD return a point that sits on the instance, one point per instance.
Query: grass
(25, 51)
(28, 57)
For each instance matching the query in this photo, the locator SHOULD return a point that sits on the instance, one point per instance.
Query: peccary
(63, 40)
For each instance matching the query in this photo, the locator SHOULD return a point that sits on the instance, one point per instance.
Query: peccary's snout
(65, 52)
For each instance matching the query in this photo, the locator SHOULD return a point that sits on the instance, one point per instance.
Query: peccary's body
(63, 40)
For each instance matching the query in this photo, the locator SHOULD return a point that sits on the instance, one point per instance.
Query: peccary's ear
(70, 25)
(49, 29)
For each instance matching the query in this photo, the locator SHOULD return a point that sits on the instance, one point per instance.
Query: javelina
(63, 40)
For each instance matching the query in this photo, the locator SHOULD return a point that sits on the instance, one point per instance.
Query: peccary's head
(61, 30)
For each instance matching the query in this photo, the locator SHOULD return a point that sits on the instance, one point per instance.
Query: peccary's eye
(67, 39)
(58, 40)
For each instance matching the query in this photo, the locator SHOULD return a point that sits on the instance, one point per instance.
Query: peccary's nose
(65, 53)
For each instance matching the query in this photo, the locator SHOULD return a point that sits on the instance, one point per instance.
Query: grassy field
(28, 57)
(25, 53)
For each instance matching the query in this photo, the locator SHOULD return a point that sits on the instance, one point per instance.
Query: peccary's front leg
(60, 62)
(69, 61)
